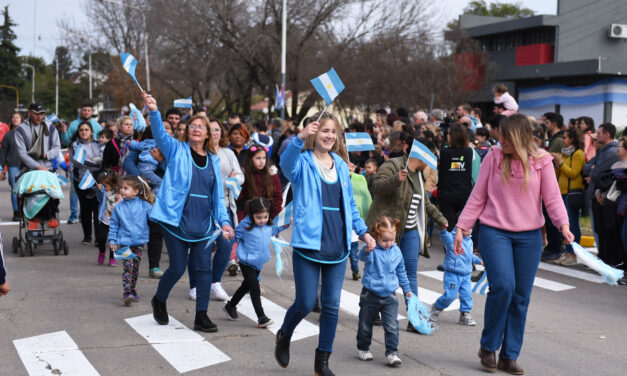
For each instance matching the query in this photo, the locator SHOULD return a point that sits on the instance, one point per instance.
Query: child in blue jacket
(457, 269)
(384, 271)
(128, 226)
(253, 250)
(146, 163)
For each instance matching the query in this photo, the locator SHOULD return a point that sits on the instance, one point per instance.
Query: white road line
(429, 297)
(538, 282)
(17, 223)
(53, 353)
(183, 348)
(571, 272)
(349, 302)
(277, 314)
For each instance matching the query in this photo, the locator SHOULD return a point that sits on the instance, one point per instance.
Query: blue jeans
(369, 307)
(410, 248)
(13, 171)
(147, 171)
(73, 197)
(573, 220)
(353, 257)
(511, 260)
(456, 283)
(307, 274)
(177, 253)
(221, 258)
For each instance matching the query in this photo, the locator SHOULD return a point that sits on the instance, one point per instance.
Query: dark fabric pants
(155, 244)
(88, 209)
(451, 208)
(102, 232)
(250, 284)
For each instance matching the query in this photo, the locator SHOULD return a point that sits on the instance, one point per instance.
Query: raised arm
(166, 143)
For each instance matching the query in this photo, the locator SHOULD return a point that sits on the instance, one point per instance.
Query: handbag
(576, 198)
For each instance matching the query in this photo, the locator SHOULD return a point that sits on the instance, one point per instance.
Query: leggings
(249, 285)
(131, 268)
(88, 210)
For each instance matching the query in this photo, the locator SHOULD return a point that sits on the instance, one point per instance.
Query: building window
(511, 40)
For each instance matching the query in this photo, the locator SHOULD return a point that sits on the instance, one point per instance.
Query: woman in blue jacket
(324, 215)
(188, 205)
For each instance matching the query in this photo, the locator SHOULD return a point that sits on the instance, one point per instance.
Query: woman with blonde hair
(324, 215)
(507, 198)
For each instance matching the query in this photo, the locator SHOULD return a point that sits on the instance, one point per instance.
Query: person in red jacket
(260, 180)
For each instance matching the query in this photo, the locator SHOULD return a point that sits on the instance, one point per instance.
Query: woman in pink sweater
(507, 198)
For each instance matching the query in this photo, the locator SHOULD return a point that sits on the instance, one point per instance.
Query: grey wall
(584, 28)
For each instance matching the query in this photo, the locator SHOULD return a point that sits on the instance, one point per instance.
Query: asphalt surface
(578, 331)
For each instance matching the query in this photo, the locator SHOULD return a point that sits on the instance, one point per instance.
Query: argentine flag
(231, 183)
(328, 85)
(79, 154)
(420, 151)
(87, 181)
(359, 141)
(279, 98)
(183, 103)
(124, 253)
(129, 63)
(62, 179)
(52, 118)
(284, 217)
(482, 284)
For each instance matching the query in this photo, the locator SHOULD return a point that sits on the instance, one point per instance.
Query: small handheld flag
(124, 253)
(62, 180)
(284, 217)
(79, 154)
(359, 141)
(420, 151)
(279, 98)
(183, 103)
(482, 284)
(233, 185)
(52, 118)
(418, 316)
(279, 244)
(329, 86)
(610, 275)
(129, 63)
(87, 181)
(217, 232)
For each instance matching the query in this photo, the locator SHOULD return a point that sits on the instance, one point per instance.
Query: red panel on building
(541, 53)
(471, 69)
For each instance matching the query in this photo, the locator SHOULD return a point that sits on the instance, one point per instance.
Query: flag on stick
(183, 103)
(359, 141)
(420, 151)
(284, 217)
(87, 181)
(124, 253)
(279, 98)
(129, 63)
(79, 154)
(328, 85)
(233, 185)
(52, 118)
(482, 284)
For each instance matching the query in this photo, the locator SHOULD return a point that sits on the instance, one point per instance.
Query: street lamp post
(283, 56)
(56, 89)
(145, 36)
(33, 81)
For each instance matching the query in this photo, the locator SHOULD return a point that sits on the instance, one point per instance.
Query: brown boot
(488, 360)
(510, 366)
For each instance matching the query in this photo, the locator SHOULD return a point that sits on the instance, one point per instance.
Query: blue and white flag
(420, 151)
(129, 63)
(279, 245)
(284, 217)
(328, 85)
(139, 123)
(183, 103)
(279, 98)
(217, 232)
(52, 118)
(62, 179)
(482, 284)
(87, 181)
(79, 154)
(233, 185)
(124, 253)
(359, 141)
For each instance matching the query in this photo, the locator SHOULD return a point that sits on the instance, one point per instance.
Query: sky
(47, 13)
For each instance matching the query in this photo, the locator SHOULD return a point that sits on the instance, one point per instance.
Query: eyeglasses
(200, 127)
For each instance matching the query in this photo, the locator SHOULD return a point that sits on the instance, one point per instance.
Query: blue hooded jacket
(460, 264)
(143, 148)
(253, 248)
(300, 169)
(384, 271)
(129, 222)
(170, 201)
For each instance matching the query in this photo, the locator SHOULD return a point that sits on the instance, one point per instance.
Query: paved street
(575, 326)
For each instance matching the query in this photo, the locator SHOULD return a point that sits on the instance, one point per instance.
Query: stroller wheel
(65, 248)
(55, 246)
(22, 249)
(16, 244)
(32, 249)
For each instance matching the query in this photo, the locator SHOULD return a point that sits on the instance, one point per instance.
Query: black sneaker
(230, 311)
(356, 276)
(203, 324)
(622, 281)
(477, 277)
(440, 268)
(263, 322)
(159, 311)
(16, 217)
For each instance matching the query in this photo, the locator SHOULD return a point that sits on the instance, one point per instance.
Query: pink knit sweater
(509, 207)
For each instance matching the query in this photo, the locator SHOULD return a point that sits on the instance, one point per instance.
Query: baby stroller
(38, 194)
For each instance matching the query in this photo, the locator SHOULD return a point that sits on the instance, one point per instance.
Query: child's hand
(112, 246)
(370, 242)
(408, 294)
(118, 197)
(99, 186)
(227, 232)
(444, 227)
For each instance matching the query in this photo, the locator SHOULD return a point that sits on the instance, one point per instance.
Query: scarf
(567, 151)
(37, 150)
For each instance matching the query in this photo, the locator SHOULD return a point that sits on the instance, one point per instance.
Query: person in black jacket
(455, 174)
(10, 158)
(4, 284)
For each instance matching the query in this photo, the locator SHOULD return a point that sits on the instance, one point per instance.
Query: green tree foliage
(506, 10)
(62, 54)
(9, 62)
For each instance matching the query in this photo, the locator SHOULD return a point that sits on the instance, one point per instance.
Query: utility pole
(33, 81)
(56, 90)
(283, 56)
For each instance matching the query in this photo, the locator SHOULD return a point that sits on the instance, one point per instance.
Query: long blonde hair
(339, 147)
(516, 129)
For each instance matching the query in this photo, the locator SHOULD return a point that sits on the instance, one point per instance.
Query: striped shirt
(412, 216)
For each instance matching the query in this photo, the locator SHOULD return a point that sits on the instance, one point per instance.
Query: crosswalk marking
(539, 282)
(429, 297)
(349, 302)
(571, 272)
(277, 314)
(183, 348)
(53, 354)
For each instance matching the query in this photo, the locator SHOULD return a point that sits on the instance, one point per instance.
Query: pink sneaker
(101, 258)
(112, 262)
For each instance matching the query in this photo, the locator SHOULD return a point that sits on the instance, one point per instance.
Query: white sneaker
(192, 294)
(393, 360)
(218, 293)
(466, 319)
(364, 355)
